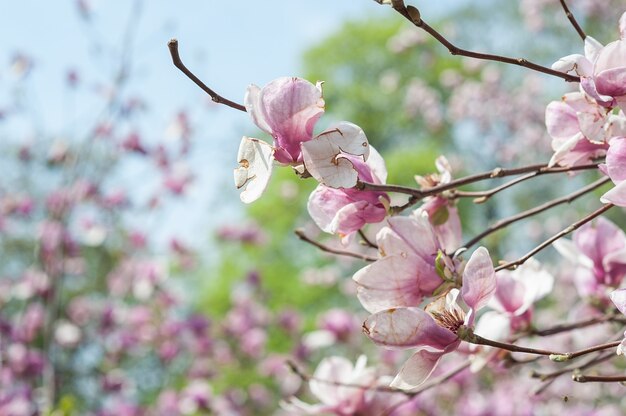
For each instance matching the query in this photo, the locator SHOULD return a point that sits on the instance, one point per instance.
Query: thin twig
(557, 329)
(483, 196)
(366, 240)
(581, 378)
(562, 233)
(505, 222)
(573, 21)
(571, 355)
(419, 194)
(302, 236)
(413, 15)
(178, 63)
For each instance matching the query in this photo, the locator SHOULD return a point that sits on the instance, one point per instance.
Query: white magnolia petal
(416, 370)
(255, 159)
(322, 162)
(349, 137)
(592, 48)
(252, 102)
(616, 195)
(568, 249)
(377, 164)
(573, 63)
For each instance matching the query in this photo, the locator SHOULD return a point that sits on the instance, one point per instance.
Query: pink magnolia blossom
(345, 211)
(333, 383)
(615, 168)
(602, 69)
(512, 304)
(433, 331)
(406, 271)
(581, 129)
(288, 109)
(599, 253)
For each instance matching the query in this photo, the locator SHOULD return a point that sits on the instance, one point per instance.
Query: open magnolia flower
(287, 109)
(581, 129)
(345, 211)
(599, 253)
(602, 70)
(406, 271)
(327, 385)
(434, 331)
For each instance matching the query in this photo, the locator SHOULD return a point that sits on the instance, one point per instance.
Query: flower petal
(255, 159)
(323, 156)
(479, 279)
(395, 281)
(416, 370)
(618, 297)
(616, 196)
(252, 102)
(406, 328)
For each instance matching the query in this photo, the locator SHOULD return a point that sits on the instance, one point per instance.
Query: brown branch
(302, 236)
(573, 21)
(557, 329)
(505, 222)
(562, 233)
(548, 378)
(413, 15)
(178, 63)
(483, 196)
(571, 355)
(581, 378)
(367, 241)
(419, 194)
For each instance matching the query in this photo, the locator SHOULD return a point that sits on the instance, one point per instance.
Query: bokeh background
(133, 280)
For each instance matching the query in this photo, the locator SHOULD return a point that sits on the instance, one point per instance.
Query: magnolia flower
(602, 70)
(345, 211)
(512, 304)
(618, 297)
(287, 109)
(580, 129)
(615, 168)
(442, 213)
(335, 398)
(434, 331)
(599, 253)
(406, 271)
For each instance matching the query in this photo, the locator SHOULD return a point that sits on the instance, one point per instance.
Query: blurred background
(133, 280)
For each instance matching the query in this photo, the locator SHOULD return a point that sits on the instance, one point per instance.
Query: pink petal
(395, 281)
(416, 370)
(616, 196)
(323, 205)
(612, 82)
(412, 234)
(354, 216)
(616, 159)
(479, 279)
(406, 328)
(290, 107)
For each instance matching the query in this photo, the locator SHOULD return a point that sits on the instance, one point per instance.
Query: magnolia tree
(464, 315)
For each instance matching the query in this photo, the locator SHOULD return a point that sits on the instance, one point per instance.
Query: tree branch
(302, 236)
(564, 232)
(412, 14)
(573, 21)
(178, 63)
(533, 211)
